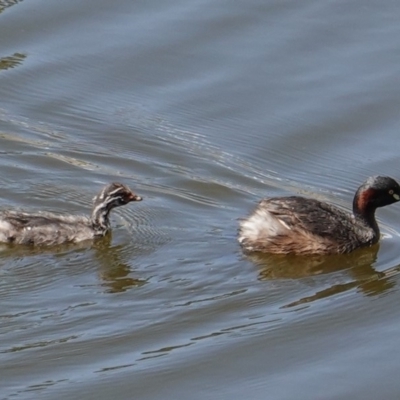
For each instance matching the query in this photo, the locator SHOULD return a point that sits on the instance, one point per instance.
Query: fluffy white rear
(260, 226)
(5, 229)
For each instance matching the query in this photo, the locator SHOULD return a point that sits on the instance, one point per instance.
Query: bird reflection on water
(114, 272)
(359, 266)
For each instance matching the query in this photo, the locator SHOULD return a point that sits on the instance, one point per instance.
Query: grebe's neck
(364, 209)
(100, 217)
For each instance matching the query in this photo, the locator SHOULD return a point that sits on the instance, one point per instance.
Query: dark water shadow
(281, 266)
(10, 250)
(8, 3)
(11, 61)
(114, 272)
(359, 266)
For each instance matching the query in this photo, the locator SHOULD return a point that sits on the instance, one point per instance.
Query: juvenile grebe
(44, 228)
(306, 226)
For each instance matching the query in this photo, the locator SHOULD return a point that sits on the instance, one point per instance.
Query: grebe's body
(300, 225)
(45, 228)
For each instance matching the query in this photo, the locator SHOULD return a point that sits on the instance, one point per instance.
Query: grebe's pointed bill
(135, 197)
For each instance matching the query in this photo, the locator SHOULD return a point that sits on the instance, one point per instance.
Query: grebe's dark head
(376, 191)
(115, 195)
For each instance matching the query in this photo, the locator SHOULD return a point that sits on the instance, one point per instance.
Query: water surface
(203, 108)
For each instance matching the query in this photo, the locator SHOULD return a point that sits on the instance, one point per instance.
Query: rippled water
(203, 108)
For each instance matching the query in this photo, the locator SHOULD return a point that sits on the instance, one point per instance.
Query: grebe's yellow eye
(391, 191)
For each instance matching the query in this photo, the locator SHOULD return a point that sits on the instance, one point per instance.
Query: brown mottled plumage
(306, 226)
(45, 228)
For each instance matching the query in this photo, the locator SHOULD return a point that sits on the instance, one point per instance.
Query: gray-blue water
(203, 108)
